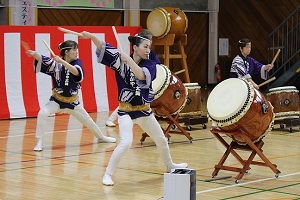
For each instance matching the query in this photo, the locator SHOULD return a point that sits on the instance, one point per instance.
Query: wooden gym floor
(72, 163)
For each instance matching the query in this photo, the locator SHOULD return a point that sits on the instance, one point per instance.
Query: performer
(66, 73)
(243, 66)
(134, 75)
(152, 56)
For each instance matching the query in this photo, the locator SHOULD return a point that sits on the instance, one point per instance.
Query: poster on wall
(22, 12)
(77, 3)
(223, 47)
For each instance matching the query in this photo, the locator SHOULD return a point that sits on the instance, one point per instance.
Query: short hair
(243, 42)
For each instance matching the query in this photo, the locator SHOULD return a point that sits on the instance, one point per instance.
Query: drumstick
(69, 31)
(117, 38)
(267, 81)
(275, 57)
(25, 45)
(178, 72)
(52, 53)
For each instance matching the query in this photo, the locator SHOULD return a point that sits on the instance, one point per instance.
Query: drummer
(134, 75)
(243, 66)
(152, 56)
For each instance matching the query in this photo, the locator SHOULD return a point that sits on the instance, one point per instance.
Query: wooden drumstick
(25, 45)
(117, 38)
(267, 81)
(69, 31)
(52, 53)
(178, 72)
(275, 57)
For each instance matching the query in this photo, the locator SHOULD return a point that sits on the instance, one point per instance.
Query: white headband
(142, 37)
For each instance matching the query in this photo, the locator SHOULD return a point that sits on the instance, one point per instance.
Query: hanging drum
(235, 105)
(170, 93)
(167, 20)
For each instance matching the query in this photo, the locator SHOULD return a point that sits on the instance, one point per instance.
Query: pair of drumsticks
(26, 46)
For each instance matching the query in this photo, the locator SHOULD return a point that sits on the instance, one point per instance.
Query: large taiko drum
(167, 20)
(234, 105)
(193, 103)
(170, 93)
(285, 101)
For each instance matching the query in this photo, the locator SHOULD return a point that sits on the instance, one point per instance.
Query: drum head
(162, 80)
(159, 22)
(227, 99)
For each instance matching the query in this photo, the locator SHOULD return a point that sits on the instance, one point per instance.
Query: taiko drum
(285, 101)
(170, 93)
(235, 105)
(167, 20)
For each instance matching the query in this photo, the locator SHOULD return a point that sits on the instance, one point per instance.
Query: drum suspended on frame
(170, 92)
(285, 101)
(193, 103)
(167, 20)
(235, 105)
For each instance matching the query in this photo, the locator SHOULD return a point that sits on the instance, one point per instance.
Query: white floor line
(47, 132)
(250, 182)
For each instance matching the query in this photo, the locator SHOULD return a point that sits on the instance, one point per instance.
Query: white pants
(151, 126)
(79, 113)
(114, 115)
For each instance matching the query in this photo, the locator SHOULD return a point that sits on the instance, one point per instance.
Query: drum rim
(166, 82)
(168, 19)
(278, 90)
(191, 84)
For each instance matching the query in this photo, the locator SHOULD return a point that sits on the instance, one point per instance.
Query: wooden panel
(74, 17)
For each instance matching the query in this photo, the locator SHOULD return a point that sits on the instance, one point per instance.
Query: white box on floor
(180, 184)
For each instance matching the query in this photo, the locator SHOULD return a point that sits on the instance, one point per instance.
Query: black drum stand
(288, 122)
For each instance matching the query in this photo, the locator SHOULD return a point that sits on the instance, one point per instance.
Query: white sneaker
(110, 123)
(106, 180)
(174, 166)
(107, 140)
(39, 146)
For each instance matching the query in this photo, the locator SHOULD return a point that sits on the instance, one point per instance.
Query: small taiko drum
(167, 20)
(235, 105)
(170, 93)
(193, 102)
(285, 101)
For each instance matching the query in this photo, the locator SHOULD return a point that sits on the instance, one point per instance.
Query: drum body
(285, 101)
(170, 93)
(193, 103)
(234, 105)
(167, 20)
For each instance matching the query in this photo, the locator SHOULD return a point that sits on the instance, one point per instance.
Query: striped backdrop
(23, 93)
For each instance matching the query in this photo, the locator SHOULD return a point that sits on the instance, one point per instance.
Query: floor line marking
(246, 183)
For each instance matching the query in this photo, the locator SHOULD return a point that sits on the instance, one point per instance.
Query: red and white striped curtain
(23, 93)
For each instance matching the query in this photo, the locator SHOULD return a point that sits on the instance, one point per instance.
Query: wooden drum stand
(168, 41)
(173, 121)
(254, 148)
